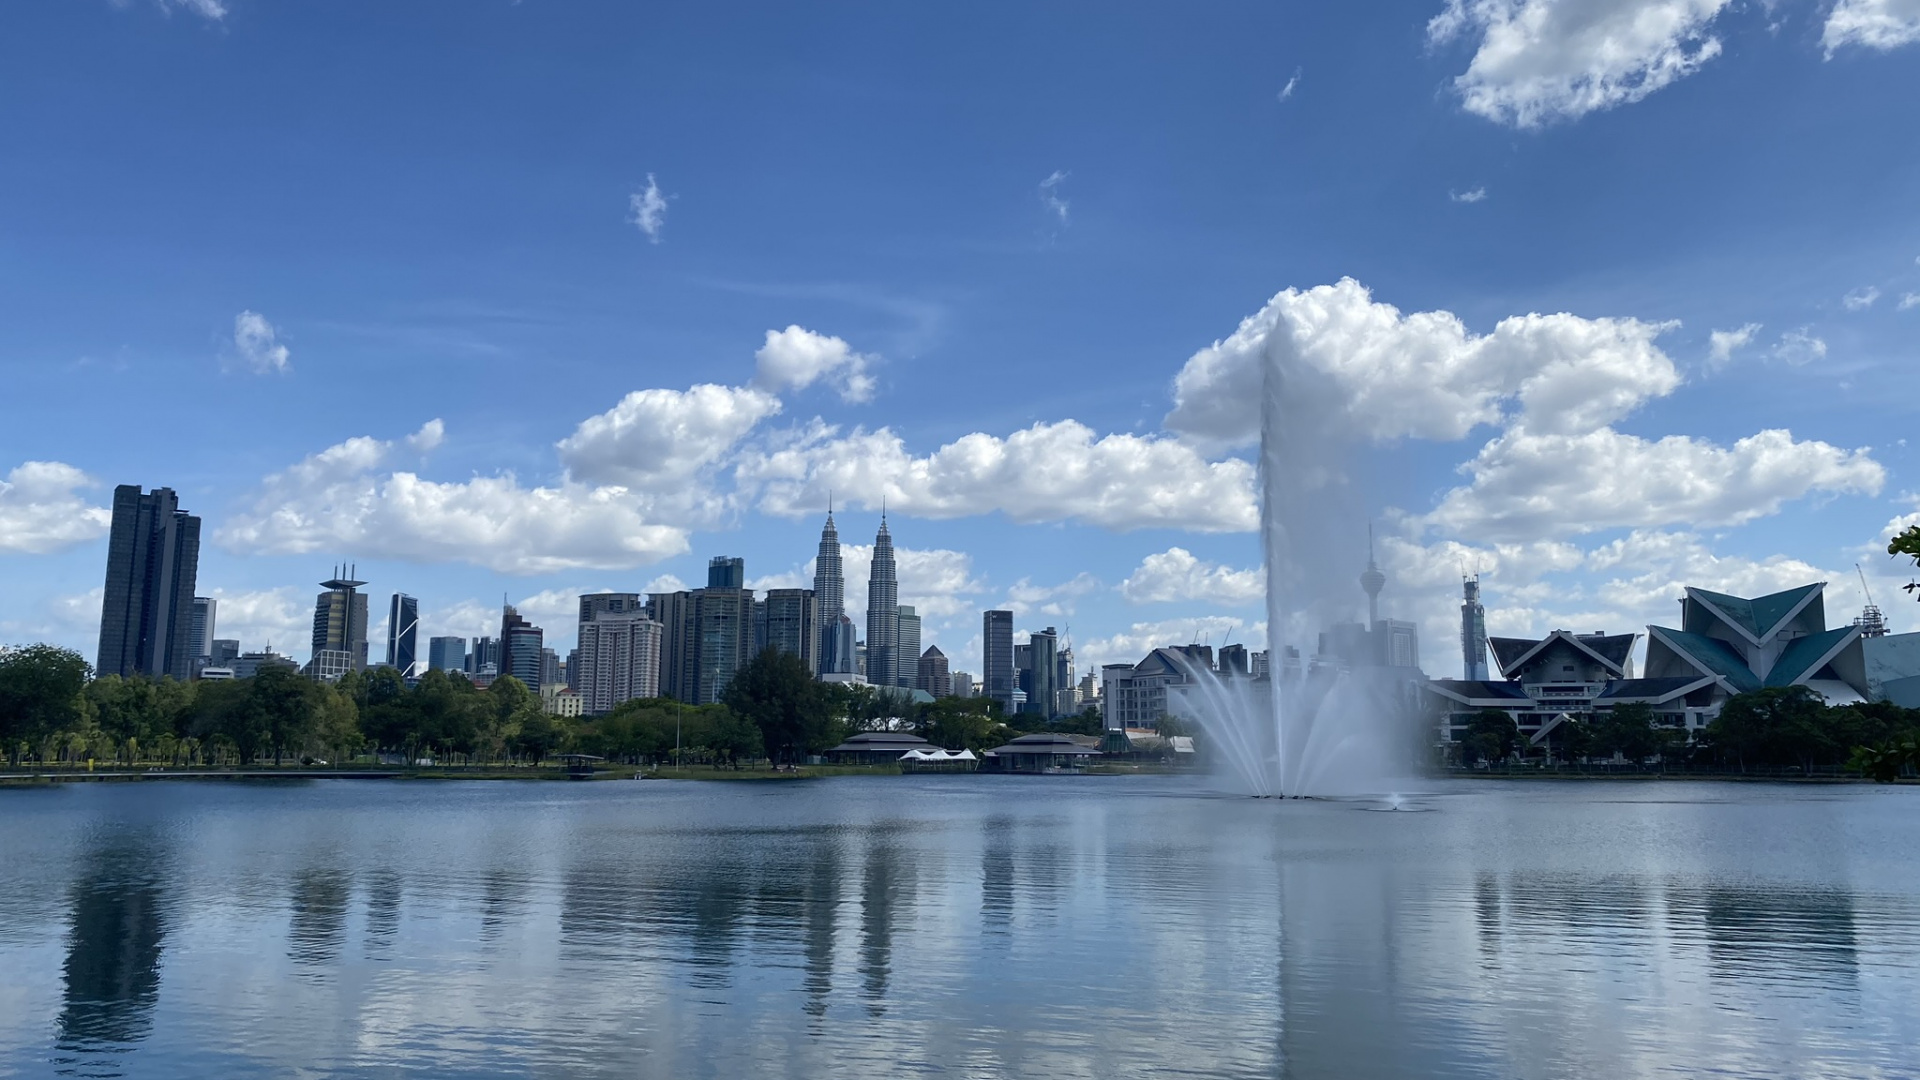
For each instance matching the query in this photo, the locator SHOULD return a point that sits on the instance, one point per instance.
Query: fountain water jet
(1312, 730)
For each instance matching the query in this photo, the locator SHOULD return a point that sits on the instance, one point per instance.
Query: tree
(1491, 736)
(1627, 730)
(40, 694)
(777, 694)
(1907, 542)
(1572, 740)
(1777, 725)
(971, 723)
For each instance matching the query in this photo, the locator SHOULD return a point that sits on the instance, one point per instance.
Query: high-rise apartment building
(521, 646)
(339, 626)
(962, 684)
(153, 562)
(1473, 631)
(706, 635)
(907, 648)
(791, 624)
(592, 606)
(619, 660)
(447, 653)
(403, 634)
(201, 631)
(996, 661)
(935, 677)
(834, 650)
(883, 613)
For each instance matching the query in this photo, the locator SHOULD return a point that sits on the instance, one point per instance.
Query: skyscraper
(153, 562)
(791, 624)
(883, 613)
(1473, 630)
(521, 645)
(705, 635)
(339, 626)
(996, 661)
(829, 602)
(907, 648)
(935, 677)
(403, 633)
(1043, 673)
(201, 632)
(447, 653)
(486, 651)
(726, 572)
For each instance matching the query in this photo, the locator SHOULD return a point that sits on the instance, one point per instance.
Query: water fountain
(1311, 730)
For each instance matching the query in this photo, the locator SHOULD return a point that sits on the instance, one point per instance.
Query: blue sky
(254, 251)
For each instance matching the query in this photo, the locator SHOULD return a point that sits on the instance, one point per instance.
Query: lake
(962, 926)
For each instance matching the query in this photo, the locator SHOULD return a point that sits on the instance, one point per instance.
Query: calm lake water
(956, 926)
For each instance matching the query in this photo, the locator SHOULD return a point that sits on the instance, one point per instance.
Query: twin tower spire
(836, 629)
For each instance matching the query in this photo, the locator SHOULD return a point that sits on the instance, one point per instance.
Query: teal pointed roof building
(1744, 644)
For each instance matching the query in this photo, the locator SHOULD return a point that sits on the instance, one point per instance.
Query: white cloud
(1860, 299)
(340, 500)
(1024, 598)
(1799, 347)
(256, 346)
(1050, 195)
(1176, 575)
(1129, 646)
(1543, 60)
(795, 358)
(1378, 373)
(429, 437)
(1722, 344)
(665, 583)
(1872, 24)
(1049, 472)
(1478, 194)
(207, 9)
(280, 618)
(1910, 300)
(647, 210)
(42, 510)
(1292, 85)
(659, 440)
(1528, 485)
(937, 583)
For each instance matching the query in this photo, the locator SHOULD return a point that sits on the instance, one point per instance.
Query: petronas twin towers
(884, 660)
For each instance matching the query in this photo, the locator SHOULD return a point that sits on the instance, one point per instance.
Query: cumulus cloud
(1387, 375)
(1026, 598)
(1910, 300)
(658, 440)
(1059, 471)
(1478, 194)
(1799, 347)
(1177, 575)
(256, 345)
(429, 437)
(937, 583)
(42, 510)
(1050, 195)
(1138, 639)
(1871, 24)
(1537, 61)
(279, 618)
(647, 210)
(1528, 485)
(343, 500)
(1722, 344)
(1292, 85)
(795, 358)
(1860, 299)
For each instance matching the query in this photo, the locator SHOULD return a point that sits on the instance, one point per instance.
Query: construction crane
(1871, 621)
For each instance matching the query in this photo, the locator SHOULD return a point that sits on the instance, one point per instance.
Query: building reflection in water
(819, 916)
(384, 895)
(318, 926)
(114, 947)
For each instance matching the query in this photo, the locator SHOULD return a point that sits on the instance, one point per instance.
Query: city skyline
(1538, 334)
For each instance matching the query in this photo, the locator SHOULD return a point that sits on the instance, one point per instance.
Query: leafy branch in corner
(1907, 543)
